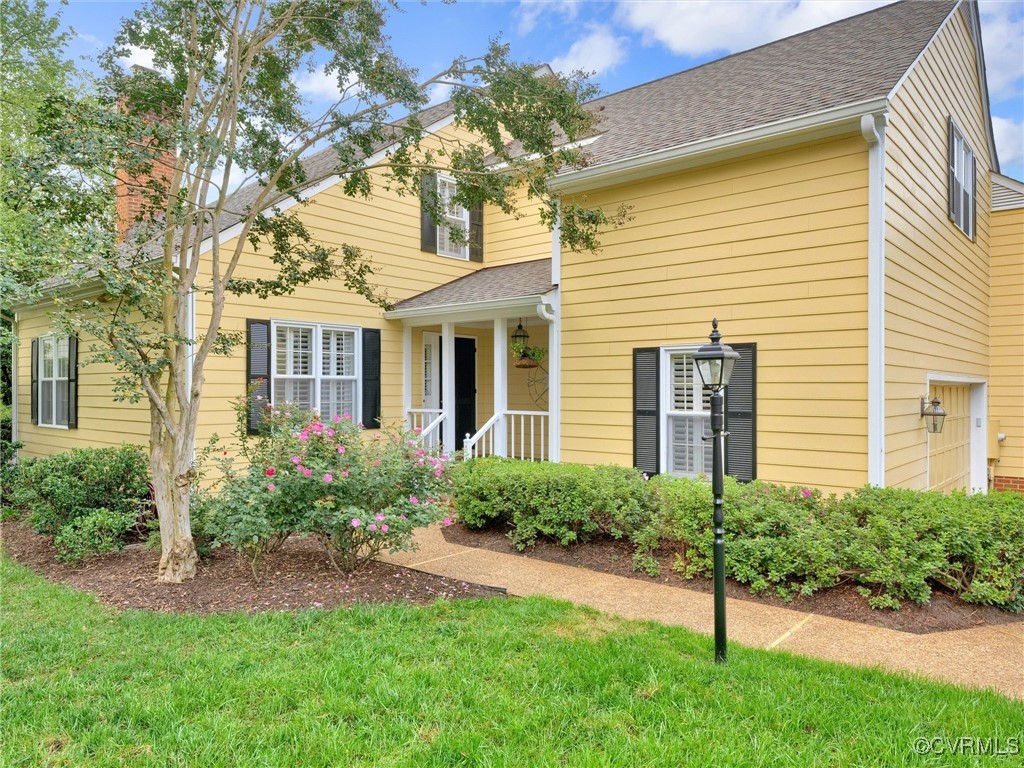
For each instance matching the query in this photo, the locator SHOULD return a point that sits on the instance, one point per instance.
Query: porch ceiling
(508, 287)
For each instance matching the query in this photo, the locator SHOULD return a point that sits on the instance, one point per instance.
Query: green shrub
(96, 531)
(8, 453)
(565, 502)
(57, 489)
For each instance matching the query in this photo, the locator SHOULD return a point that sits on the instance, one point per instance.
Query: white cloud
(1009, 136)
(700, 27)
(322, 86)
(137, 57)
(529, 12)
(439, 92)
(1002, 31)
(598, 51)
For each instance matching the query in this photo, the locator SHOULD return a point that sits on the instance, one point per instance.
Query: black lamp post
(715, 362)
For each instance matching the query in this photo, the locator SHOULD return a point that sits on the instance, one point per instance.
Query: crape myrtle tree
(221, 104)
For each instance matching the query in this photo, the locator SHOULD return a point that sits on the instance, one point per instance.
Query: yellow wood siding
(508, 240)
(775, 246)
(1006, 395)
(102, 421)
(937, 279)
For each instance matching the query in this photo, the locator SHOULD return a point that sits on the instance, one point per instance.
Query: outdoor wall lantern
(934, 415)
(715, 362)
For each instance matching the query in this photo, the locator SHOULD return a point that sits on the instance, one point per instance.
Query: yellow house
(832, 198)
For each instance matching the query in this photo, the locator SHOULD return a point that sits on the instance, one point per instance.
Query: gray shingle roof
(506, 281)
(849, 61)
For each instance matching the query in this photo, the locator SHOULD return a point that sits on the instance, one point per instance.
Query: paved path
(984, 657)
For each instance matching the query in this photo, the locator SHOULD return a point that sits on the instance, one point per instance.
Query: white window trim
(665, 400)
(463, 254)
(964, 177)
(317, 366)
(55, 379)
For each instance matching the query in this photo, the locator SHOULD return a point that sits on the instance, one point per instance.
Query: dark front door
(465, 388)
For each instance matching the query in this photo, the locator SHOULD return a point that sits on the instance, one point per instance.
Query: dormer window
(962, 174)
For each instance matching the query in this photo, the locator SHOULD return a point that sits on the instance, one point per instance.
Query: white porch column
(500, 384)
(452, 442)
(555, 379)
(407, 375)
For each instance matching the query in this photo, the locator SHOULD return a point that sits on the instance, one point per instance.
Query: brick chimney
(132, 191)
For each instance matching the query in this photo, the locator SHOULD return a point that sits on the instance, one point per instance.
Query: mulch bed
(297, 576)
(944, 612)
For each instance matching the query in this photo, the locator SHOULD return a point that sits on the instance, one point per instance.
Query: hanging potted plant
(523, 355)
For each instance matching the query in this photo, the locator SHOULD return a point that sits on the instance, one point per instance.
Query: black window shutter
(371, 378)
(951, 169)
(741, 415)
(646, 415)
(428, 227)
(257, 370)
(34, 396)
(73, 382)
(476, 233)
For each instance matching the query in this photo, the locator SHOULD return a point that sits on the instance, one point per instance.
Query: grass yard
(478, 683)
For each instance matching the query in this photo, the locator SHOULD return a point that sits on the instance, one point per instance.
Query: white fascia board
(311, 191)
(829, 122)
(468, 311)
(89, 289)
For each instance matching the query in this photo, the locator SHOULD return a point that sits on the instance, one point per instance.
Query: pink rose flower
(344, 473)
(341, 449)
(446, 522)
(307, 471)
(384, 528)
(437, 472)
(413, 500)
(418, 430)
(271, 472)
(356, 522)
(806, 492)
(372, 526)
(296, 459)
(330, 433)
(379, 516)
(271, 487)
(328, 477)
(336, 418)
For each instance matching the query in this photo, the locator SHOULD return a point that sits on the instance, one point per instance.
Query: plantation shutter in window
(371, 378)
(257, 364)
(645, 409)
(428, 228)
(952, 195)
(73, 382)
(476, 233)
(34, 396)
(741, 415)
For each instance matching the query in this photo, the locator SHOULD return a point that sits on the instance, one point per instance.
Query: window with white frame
(316, 366)
(961, 181)
(455, 218)
(687, 416)
(53, 381)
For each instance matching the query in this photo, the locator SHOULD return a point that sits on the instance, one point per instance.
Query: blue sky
(629, 42)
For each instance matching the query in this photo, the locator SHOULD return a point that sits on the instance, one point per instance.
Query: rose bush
(359, 493)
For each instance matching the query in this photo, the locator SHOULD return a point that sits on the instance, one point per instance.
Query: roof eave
(467, 311)
(802, 128)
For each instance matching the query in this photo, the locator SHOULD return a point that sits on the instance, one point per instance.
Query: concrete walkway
(984, 657)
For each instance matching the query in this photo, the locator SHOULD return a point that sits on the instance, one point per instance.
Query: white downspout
(872, 127)
(550, 310)
(407, 376)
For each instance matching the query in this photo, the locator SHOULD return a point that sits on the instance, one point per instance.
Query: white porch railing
(428, 421)
(516, 434)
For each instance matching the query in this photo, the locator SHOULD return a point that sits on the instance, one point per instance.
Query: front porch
(461, 388)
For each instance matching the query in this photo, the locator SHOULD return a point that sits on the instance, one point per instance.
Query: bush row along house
(833, 198)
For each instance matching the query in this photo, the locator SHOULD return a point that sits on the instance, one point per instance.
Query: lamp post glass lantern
(934, 415)
(715, 362)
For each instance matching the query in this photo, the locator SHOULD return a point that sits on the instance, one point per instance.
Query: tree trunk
(171, 489)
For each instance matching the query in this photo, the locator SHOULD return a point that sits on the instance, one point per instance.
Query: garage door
(949, 452)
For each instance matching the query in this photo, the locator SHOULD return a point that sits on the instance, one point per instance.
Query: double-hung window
(687, 414)
(455, 218)
(962, 175)
(316, 366)
(52, 381)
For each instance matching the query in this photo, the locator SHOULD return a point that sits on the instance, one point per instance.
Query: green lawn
(506, 682)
